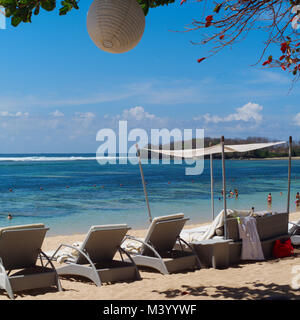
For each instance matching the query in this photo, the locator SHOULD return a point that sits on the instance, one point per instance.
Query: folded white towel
(65, 253)
(132, 246)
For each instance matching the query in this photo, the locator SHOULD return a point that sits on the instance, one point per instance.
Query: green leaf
(15, 21)
(218, 7)
(48, 5)
(22, 10)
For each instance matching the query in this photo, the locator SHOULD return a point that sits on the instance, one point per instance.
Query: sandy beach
(257, 280)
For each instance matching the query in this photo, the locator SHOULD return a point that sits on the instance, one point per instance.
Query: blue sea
(71, 192)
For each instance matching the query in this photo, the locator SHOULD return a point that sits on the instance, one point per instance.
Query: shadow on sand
(257, 291)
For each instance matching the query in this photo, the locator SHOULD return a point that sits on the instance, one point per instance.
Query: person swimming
(9, 217)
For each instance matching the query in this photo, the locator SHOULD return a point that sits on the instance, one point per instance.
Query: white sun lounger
(157, 249)
(95, 257)
(20, 248)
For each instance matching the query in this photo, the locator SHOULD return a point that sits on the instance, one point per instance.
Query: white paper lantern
(116, 26)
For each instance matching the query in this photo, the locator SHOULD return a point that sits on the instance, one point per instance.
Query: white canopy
(194, 153)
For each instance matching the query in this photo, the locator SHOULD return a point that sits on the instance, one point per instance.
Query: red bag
(283, 249)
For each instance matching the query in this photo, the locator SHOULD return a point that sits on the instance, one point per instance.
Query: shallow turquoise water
(121, 199)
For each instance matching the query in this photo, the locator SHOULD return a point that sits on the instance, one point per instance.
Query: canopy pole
(212, 187)
(224, 186)
(143, 181)
(289, 174)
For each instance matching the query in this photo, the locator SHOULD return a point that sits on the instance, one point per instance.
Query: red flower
(208, 20)
(282, 57)
(182, 1)
(270, 59)
(222, 37)
(284, 47)
(283, 67)
(200, 60)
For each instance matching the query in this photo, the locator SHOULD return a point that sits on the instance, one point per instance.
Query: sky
(58, 89)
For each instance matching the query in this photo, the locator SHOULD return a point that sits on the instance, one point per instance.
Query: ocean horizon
(71, 192)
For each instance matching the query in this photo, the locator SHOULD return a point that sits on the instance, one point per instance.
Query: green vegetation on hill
(271, 152)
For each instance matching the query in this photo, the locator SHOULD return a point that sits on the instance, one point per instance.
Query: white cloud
(57, 113)
(83, 120)
(249, 112)
(297, 119)
(17, 114)
(137, 117)
(137, 113)
(85, 115)
(266, 77)
(168, 92)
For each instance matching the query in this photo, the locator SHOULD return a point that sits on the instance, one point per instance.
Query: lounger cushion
(169, 217)
(151, 230)
(159, 219)
(162, 218)
(109, 227)
(102, 242)
(27, 226)
(136, 247)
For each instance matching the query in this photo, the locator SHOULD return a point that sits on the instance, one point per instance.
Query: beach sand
(257, 280)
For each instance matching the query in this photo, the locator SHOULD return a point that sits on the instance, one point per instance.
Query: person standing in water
(236, 193)
(269, 199)
(297, 199)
